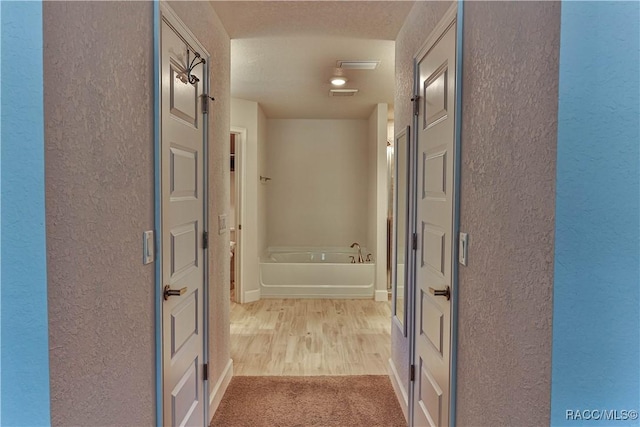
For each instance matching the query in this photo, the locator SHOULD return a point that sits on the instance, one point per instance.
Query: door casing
(162, 10)
(241, 141)
(453, 14)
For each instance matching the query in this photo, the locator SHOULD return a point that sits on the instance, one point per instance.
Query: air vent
(358, 65)
(342, 92)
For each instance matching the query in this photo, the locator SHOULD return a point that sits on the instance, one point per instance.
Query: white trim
(215, 397)
(241, 146)
(157, 201)
(401, 392)
(447, 19)
(381, 111)
(382, 295)
(396, 321)
(251, 296)
(401, 323)
(167, 14)
(453, 366)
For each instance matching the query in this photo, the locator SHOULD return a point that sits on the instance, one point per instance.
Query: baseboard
(382, 295)
(401, 392)
(220, 388)
(251, 296)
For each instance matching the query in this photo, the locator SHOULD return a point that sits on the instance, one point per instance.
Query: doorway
(435, 157)
(181, 221)
(237, 141)
(232, 214)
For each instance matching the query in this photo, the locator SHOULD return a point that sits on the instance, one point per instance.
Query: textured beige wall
(201, 19)
(510, 93)
(421, 21)
(98, 92)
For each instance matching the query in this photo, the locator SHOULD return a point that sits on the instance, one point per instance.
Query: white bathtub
(315, 273)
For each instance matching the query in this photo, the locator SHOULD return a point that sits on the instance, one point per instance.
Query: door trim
(161, 10)
(241, 146)
(453, 15)
(445, 22)
(157, 201)
(457, 165)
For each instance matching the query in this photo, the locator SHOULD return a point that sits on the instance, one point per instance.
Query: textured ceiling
(359, 19)
(283, 54)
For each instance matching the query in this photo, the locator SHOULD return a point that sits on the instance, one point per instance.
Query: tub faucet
(357, 245)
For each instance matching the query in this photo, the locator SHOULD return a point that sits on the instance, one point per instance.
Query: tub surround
(315, 273)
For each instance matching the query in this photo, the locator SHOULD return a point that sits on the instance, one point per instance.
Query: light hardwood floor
(310, 337)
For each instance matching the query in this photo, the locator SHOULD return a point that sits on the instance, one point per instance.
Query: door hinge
(205, 240)
(205, 372)
(205, 102)
(414, 241)
(416, 105)
(412, 373)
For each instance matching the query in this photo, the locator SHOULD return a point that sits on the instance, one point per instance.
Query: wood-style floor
(310, 337)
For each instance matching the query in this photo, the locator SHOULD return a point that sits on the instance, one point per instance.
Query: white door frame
(241, 146)
(161, 9)
(453, 14)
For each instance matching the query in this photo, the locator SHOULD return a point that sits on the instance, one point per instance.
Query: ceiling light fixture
(338, 80)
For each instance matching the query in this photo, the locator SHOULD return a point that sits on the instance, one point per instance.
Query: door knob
(441, 292)
(168, 292)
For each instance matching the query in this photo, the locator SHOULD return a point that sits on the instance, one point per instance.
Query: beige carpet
(336, 401)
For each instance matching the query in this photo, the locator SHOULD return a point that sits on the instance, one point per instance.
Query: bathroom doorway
(236, 192)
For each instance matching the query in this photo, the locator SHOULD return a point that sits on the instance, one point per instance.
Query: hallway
(307, 337)
(327, 401)
(549, 137)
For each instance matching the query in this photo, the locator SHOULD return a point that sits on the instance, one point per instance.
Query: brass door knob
(441, 292)
(168, 292)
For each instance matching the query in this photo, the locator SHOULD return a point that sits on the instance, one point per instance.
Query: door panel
(184, 322)
(185, 397)
(430, 397)
(431, 322)
(435, 97)
(183, 97)
(435, 175)
(433, 246)
(184, 249)
(434, 217)
(183, 172)
(182, 147)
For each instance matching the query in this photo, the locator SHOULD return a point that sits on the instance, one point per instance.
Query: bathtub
(315, 273)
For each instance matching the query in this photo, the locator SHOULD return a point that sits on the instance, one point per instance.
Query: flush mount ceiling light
(338, 80)
(358, 65)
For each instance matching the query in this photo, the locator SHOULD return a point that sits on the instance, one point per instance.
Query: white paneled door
(183, 253)
(436, 72)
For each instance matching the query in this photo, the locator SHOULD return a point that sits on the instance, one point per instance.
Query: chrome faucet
(357, 245)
